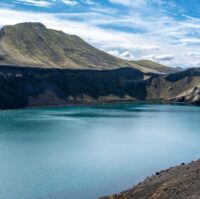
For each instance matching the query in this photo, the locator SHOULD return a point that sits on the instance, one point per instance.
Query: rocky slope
(181, 182)
(32, 44)
(150, 66)
(176, 87)
(191, 96)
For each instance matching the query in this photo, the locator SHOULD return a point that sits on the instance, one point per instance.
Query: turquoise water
(86, 152)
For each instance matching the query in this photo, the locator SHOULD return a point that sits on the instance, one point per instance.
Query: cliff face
(32, 44)
(26, 87)
(176, 87)
(191, 96)
(189, 92)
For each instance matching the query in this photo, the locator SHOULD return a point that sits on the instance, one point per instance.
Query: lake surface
(86, 152)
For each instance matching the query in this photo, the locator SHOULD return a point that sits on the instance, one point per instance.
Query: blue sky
(166, 31)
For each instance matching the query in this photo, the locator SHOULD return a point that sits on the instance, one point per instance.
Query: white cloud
(193, 54)
(114, 52)
(40, 3)
(128, 55)
(162, 37)
(188, 41)
(195, 64)
(48, 3)
(129, 2)
(70, 2)
(163, 58)
(89, 2)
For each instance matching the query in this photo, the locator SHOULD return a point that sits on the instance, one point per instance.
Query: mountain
(44, 67)
(147, 65)
(32, 44)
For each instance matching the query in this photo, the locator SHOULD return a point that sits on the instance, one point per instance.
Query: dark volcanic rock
(173, 77)
(26, 87)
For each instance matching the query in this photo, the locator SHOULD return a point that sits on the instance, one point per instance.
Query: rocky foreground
(181, 182)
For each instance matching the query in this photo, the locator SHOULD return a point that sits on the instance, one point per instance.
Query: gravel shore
(181, 182)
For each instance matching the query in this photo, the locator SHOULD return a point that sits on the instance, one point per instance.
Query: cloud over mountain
(140, 27)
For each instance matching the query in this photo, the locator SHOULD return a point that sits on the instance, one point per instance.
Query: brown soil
(181, 182)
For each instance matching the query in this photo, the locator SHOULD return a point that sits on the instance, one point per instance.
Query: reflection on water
(86, 152)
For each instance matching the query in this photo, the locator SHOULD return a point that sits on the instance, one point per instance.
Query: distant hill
(154, 67)
(32, 44)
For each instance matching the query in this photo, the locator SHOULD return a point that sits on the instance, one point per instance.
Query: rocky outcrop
(191, 96)
(181, 182)
(173, 86)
